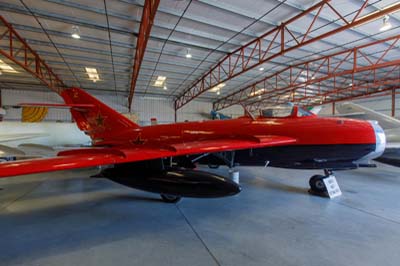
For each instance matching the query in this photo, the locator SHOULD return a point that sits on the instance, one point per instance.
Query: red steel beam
(368, 88)
(340, 92)
(369, 82)
(393, 85)
(277, 42)
(149, 12)
(316, 71)
(18, 51)
(376, 95)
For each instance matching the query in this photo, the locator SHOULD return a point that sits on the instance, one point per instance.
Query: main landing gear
(317, 184)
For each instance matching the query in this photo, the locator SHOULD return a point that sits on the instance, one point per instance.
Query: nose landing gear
(318, 185)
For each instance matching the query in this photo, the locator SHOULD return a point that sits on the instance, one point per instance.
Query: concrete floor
(65, 218)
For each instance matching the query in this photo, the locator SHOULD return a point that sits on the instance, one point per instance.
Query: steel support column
(1, 116)
(276, 43)
(19, 52)
(148, 14)
(393, 102)
(176, 116)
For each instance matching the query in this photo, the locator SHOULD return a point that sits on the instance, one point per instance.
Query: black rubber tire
(170, 198)
(317, 184)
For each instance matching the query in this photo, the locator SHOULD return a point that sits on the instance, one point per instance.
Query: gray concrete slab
(65, 218)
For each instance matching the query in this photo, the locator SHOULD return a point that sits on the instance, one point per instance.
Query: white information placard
(332, 186)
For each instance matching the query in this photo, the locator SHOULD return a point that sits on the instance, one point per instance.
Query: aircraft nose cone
(380, 139)
(380, 144)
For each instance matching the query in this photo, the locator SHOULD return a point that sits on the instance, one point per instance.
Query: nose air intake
(380, 143)
(380, 139)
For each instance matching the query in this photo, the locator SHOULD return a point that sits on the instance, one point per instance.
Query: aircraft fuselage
(334, 143)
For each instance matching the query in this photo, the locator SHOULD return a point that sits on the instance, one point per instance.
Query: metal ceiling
(207, 29)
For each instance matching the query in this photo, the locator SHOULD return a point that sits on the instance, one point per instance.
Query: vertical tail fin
(100, 122)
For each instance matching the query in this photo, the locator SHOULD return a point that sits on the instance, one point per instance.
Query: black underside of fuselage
(304, 156)
(391, 156)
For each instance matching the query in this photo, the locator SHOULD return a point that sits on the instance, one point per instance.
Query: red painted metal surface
(354, 66)
(149, 12)
(123, 141)
(19, 52)
(277, 42)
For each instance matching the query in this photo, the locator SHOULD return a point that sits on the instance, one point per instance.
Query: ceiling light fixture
(165, 87)
(261, 69)
(188, 54)
(6, 68)
(386, 25)
(217, 87)
(257, 92)
(92, 73)
(75, 33)
(160, 81)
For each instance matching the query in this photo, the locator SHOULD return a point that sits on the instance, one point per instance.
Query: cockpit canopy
(284, 110)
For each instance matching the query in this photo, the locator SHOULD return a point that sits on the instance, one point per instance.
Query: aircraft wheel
(317, 183)
(170, 198)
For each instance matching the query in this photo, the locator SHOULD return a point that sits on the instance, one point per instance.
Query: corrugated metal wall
(144, 108)
(14, 97)
(162, 109)
(147, 108)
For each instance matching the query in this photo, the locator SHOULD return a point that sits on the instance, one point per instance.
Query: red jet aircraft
(161, 158)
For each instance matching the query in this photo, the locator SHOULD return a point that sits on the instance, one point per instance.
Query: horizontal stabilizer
(20, 136)
(6, 151)
(58, 105)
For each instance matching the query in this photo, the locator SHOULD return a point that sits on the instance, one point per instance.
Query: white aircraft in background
(27, 140)
(390, 125)
(22, 140)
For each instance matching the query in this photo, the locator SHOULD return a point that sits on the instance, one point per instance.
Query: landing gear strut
(317, 184)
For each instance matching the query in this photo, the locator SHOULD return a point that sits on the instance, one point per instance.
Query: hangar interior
(175, 61)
